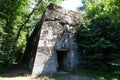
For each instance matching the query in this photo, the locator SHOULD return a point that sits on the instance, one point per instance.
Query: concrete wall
(57, 34)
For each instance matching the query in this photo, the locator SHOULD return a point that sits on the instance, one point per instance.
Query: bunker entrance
(62, 56)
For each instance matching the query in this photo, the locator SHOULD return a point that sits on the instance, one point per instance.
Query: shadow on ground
(15, 71)
(19, 73)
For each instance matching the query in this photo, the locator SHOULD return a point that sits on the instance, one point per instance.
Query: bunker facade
(54, 42)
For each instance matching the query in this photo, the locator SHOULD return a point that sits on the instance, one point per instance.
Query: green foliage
(95, 74)
(10, 17)
(99, 35)
(13, 15)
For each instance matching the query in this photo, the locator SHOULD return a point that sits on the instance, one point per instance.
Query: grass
(14, 72)
(17, 73)
(98, 75)
(22, 72)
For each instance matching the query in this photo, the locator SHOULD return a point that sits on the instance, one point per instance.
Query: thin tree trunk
(18, 34)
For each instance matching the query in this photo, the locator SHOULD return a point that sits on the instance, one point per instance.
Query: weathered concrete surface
(56, 35)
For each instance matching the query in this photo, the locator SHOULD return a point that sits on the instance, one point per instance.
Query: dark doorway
(62, 59)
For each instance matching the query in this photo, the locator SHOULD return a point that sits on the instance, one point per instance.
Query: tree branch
(19, 32)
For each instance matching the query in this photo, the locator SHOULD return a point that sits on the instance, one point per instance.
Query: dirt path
(64, 77)
(14, 78)
(75, 77)
(22, 74)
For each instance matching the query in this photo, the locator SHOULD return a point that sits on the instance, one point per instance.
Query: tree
(99, 34)
(17, 19)
(11, 18)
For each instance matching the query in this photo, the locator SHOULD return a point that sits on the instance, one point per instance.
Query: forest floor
(66, 77)
(18, 73)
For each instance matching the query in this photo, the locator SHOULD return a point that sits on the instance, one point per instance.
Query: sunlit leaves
(11, 15)
(16, 13)
(100, 39)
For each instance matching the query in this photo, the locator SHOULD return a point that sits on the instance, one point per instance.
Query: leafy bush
(99, 36)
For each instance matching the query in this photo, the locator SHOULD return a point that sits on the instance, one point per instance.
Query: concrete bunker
(52, 45)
